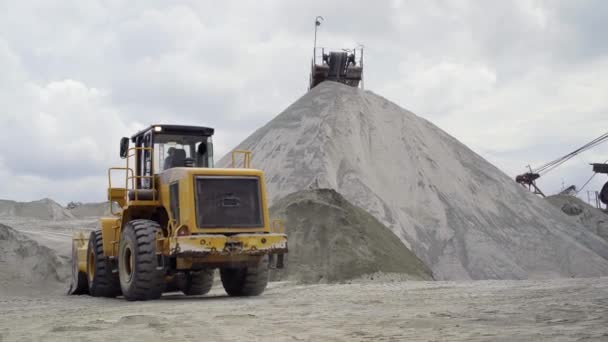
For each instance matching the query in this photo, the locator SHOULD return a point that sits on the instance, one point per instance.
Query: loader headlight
(183, 231)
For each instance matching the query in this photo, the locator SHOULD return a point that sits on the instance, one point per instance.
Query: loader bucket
(79, 284)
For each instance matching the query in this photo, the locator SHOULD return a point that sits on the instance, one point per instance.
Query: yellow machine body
(181, 244)
(199, 245)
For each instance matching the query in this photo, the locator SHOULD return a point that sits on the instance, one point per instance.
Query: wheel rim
(91, 266)
(128, 262)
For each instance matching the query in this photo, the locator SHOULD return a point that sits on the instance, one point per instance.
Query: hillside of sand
(457, 212)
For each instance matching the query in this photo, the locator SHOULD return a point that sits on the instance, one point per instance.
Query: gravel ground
(548, 310)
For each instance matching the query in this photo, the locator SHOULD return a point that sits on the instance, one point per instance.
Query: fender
(110, 233)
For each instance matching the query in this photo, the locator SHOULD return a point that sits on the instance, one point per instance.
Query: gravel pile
(457, 212)
(331, 240)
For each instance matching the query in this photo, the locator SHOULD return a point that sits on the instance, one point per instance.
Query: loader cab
(162, 147)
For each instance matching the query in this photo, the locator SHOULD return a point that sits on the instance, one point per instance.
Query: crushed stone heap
(461, 215)
(27, 266)
(594, 219)
(44, 209)
(331, 240)
(87, 210)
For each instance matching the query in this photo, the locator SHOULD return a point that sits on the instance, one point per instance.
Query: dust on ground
(548, 310)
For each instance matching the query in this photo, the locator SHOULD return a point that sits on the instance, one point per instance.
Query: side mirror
(124, 147)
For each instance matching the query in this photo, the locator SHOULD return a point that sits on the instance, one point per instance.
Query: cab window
(171, 150)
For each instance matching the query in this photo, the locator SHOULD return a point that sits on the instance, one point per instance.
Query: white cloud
(65, 137)
(519, 82)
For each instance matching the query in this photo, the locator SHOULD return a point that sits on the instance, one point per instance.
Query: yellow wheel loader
(179, 220)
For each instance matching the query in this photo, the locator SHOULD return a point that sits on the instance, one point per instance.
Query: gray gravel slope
(461, 215)
(331, 240)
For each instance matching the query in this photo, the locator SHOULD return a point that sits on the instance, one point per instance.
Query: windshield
(175, 150)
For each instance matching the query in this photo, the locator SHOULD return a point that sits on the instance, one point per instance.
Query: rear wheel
(102, 282)
(247, 281)
(140, 276)
(196, 283)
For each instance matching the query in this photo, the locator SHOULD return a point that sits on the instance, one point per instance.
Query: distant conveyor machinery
(529, 179)
(338, 66)
(344, 66)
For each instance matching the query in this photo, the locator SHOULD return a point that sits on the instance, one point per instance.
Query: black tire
(196, 283)
(102, 282)
(140, 276)
(247, 281)
(171, 284)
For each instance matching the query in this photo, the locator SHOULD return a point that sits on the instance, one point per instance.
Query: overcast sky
(519, 82)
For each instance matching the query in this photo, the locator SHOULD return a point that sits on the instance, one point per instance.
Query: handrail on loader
(246, 158)
(135, 179)
(121, 195)
(116, 194)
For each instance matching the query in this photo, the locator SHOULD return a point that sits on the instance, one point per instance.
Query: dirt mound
(331, 240)
(44, 209)
(594, 219)
(461, 215)
(86, 210)
(26, 266)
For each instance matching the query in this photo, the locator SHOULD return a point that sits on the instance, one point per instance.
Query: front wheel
(102, 282)
(140, 276)
(247, 281)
